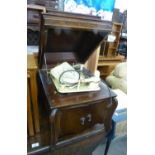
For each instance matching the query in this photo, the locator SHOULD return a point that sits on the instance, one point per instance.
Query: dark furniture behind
(33, 23)
(34, 9)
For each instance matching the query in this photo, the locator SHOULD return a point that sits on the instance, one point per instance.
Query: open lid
(71, 33)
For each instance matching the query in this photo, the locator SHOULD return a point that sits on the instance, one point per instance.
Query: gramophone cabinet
(79, 122)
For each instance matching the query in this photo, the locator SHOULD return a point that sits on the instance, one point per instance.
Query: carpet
(118, 147)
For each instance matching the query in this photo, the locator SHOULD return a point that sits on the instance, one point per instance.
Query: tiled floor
(118, 147)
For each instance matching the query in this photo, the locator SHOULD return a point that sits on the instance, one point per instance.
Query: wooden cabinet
(80, 118)
(77, 118)
(32, 101)
(108, 57)
(107, 64)
(109, 49)
(33, 16)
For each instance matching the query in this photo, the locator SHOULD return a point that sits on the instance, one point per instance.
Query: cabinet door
(74, 121)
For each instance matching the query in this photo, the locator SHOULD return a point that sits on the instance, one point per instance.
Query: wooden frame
(32, 94)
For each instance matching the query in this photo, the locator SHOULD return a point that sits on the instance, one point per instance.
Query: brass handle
(89, 117)
(82, 120)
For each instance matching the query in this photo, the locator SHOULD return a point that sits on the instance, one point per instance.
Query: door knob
(82, 120)
(89, 117)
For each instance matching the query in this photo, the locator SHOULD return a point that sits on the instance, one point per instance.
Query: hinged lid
(66, 36)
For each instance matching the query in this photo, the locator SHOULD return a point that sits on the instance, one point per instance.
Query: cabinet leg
(107, 146)
(35, 101)
(29, 113)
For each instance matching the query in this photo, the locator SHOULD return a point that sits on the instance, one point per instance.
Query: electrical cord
(74, 73)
